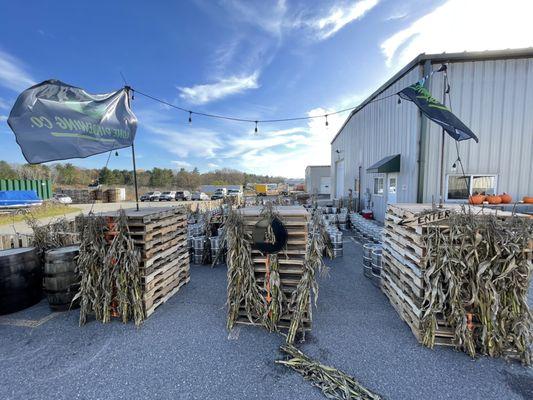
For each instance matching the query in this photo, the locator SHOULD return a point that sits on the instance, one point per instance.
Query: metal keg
(376, 264)
(198, 244)
(197, 258)
(367, 259)
(336, 240)
(215, 248)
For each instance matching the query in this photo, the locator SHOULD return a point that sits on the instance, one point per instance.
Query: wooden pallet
(405, 259)
(291, 259)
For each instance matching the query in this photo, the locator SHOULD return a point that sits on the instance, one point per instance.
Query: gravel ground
(184, 352)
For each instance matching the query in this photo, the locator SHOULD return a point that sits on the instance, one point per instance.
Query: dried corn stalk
(109, 270)
(242, 287)
(57, 233)
(313, 265)
(478, 275)
(333, 383)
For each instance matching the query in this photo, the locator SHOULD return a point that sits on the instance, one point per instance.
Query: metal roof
(442, 58)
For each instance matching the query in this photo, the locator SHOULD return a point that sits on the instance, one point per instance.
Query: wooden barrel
(61, 281)
(20, 279)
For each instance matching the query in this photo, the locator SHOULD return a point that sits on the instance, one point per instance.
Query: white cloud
(3, 117)
(13, 74)
(341, 15)
(213, 166)
(460, 25)
(181, 164)
(3, 104)
(201, 94)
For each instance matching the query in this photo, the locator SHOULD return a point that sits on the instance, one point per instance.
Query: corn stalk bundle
(275, 307)
(110, 274)
(333, 383)
(242, 286)
(313, 264)
(478, 274)
(58, 233)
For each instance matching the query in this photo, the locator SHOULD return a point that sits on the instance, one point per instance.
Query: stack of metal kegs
(342, 218)
(330, 219)
(216, 243)
(198, 249)
(368, 233)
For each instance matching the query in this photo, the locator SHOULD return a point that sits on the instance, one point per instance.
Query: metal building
(318, 179)
(388, 152)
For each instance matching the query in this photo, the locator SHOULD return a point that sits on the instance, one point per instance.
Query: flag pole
(443, 141)
(135, 175)
(128, 89)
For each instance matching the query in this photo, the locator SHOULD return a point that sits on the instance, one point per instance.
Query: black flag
(56, 121)
(437, 112)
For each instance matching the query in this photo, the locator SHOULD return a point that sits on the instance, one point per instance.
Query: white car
(62, 198)
(167, 196)
(150, 196)
(199, 196)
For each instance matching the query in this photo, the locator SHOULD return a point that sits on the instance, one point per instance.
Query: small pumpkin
(476, 199)
(528, 199)
(506, 198)
(494, 199)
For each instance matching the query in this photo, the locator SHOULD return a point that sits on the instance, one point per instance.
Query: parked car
(199, 196)
(183, 195)
(62, 198)
(150, 196)
(219, 194)
(167, 196)
(234, 193)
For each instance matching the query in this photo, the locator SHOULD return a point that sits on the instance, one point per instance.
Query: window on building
(378, 186)
(460, 187)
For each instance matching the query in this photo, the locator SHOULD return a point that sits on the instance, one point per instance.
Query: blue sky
(251, 59)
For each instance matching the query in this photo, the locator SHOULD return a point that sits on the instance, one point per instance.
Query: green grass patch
(47, 210)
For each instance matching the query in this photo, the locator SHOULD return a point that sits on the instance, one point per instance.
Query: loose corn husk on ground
(109, 270)
(334, 384)
(478, 275)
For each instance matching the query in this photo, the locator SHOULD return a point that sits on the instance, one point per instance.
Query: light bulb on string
(326, 119)
(255, 126)
(116, 153)
(190, 117)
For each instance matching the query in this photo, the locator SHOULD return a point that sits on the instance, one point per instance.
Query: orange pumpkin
(493, 199)
(476, 199)
(528, 199)
(506, 198)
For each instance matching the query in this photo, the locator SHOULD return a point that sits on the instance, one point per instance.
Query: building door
(392, 188)
(339, 179)
(324, 185)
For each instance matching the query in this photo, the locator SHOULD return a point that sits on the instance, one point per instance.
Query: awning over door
(386, 165)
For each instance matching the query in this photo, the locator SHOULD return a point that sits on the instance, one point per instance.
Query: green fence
(43, 187)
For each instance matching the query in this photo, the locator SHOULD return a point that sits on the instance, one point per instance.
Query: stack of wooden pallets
(291, 259)
(405, 257)
(161, 236)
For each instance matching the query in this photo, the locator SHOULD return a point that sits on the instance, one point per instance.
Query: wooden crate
(160, 234)
(405, 257)
(295, 219)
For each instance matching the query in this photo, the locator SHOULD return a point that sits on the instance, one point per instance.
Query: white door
(392, 188)
(324, 185)
(339, 179)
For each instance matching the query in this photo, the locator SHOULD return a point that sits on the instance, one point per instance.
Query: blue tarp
(14, 198)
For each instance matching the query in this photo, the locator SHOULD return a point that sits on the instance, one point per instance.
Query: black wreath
(259, 236)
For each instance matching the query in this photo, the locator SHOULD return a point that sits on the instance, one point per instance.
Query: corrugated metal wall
(495, 99)
(43, 187)
(381, 129)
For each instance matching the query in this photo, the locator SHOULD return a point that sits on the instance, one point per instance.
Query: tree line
(68, 174)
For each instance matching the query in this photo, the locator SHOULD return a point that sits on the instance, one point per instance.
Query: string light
(116, 153)
(190, 117)
(255, 126)
(326, 119)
